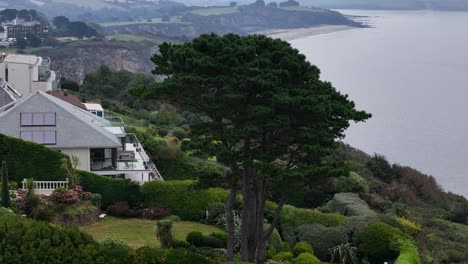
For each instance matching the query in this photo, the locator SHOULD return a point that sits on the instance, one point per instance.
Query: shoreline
(293, 34)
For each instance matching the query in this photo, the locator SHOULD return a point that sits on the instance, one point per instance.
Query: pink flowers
(65, 196)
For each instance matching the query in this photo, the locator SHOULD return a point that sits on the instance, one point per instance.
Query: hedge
(30, 160)
(350, 204)
(322, 238)
(408, 253)
(111, 190)
(306, 258)
(182, 198)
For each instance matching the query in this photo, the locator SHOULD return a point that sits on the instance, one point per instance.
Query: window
(40, 137)
(38, 119)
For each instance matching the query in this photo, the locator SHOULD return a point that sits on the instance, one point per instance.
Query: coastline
(292, 34)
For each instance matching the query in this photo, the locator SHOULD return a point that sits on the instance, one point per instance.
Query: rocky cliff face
(75, 61)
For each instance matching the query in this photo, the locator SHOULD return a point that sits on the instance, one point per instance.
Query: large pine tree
(263, 111)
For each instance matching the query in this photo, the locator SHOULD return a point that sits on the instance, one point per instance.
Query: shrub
(352, 183)
(181, 198)
(375, 242)
(213, 211)
(164, 233)
(344, 253)
(24, 157)
(118, 250)
(163, 132)
(111, 190)
(351, 205)
(64, 196)
(271, 251)
(275, 240)
(292, 217)
(283, 256)
(194, 238)
(180, 244)
(148, 255)
(408, 253)
(212, 242)
(5, 211)
(321, 238)
(410, 227)
(221, 235)
(302, 247)
(96, 199)
(122, 209)
(156, 212)
(306, 258)
(180, 134)
(179, 256)
(173, 218)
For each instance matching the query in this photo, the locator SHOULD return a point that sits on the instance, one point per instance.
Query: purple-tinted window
(38, 119)
(49, 119)
(38, 137)
(26, 136)
(49, 138)
(26, 119)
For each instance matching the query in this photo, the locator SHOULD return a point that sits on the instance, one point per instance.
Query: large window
(40, 137)
(37, 119)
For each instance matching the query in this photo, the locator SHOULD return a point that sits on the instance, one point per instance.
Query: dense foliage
(30, 160)
(182, 198)
(111, 190)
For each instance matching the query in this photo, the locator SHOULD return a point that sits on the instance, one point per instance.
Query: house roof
(93, 106)
(68, 97)
(80, 129)
(21, 58)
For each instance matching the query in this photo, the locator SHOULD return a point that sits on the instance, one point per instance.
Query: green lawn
(141, 232)
(216, 11)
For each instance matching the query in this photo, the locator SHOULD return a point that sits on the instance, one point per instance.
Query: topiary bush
(302, 247)
(164, 233)
(213, 211)
(352, 183)
(322, 238)
(283, 256)
(271, 251)
(377, 242)
(181, 198)
(111, 190)
(350, 204)
(180, 244)
(194, 238)
(275, 240)
(212, 242)
(306, 258)
(408, 252)
(221, 236)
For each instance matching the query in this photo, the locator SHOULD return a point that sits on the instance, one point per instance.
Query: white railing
(46, 187)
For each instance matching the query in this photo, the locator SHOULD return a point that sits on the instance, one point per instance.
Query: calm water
(411, 72)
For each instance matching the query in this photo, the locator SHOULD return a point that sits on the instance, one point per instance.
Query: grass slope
(141, 232)
(173, 20)
(216, 11)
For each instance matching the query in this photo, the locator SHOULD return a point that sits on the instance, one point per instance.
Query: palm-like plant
(164, 233)
(344, 254)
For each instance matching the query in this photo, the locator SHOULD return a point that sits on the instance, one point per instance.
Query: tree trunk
(261, 199)
(249, 219)
(230, 214)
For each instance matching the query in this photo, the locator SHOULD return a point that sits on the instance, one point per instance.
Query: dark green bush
(30, 160)
(306, 258)
(352, 183)
(111, 190)
(271, 252)
(214, 210)
(180, 134)
(377, 242)
(194, 238)
(322, 238)
(148, 255)
(275, 240)
(117, 250)
(212, 242)
(181, 198)
(162, 132)
(302, 247)
(122, 209)
(180, 244)
(179, 256)
(220, 235)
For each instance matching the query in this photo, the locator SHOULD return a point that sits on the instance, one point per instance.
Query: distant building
(28, 73)
(101, 145)
(19, 26)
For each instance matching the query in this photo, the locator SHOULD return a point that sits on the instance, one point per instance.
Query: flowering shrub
(65, 196)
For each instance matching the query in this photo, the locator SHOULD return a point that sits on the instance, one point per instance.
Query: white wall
(19, 77)
(83, 156)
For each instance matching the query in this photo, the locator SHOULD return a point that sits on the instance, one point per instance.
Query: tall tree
(5, 190)
(263, 111)
(60, 21)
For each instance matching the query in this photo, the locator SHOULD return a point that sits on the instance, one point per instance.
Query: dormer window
(38, 119)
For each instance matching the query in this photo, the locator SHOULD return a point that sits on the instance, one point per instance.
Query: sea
(410, 70)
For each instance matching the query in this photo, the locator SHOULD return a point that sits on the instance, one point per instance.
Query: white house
(102, 146)
(27, 73)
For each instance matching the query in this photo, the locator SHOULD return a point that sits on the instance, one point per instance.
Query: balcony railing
(46, 187)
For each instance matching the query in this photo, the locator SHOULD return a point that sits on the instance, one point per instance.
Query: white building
(102, 146)
(27, 73)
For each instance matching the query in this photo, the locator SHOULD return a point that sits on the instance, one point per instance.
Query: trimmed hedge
(302, 247)
(111, 190)
(306, 258)
(408, 253)
(182, 198)
(377, 242)
(350, 204)
(30, 160)
(322, 238)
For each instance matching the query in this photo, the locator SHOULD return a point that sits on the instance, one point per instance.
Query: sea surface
(410, 70)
